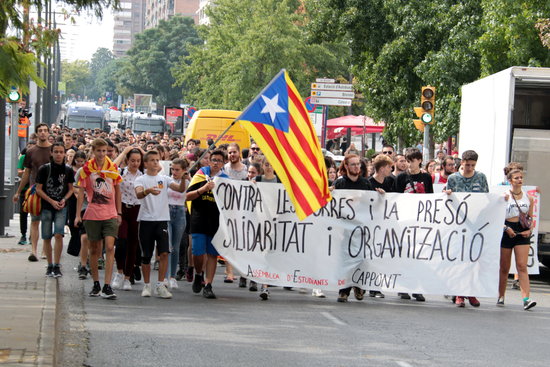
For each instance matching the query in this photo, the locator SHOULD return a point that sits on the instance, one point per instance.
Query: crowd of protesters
(133, 204)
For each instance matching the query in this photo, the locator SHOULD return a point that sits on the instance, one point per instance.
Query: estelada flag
(279, 123)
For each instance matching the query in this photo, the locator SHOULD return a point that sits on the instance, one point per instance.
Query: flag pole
(213, 145)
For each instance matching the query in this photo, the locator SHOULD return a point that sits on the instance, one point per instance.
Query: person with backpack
(55, 186)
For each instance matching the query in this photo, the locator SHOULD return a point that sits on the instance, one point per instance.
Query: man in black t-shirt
(382, 178)
(414, 181)
(204, 222)
(351, 180)
(54, 184)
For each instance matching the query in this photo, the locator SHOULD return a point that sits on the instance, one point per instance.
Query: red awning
(337, 127)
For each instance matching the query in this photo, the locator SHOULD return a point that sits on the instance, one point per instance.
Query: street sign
(331, 101)
(332, 94)
(309, 106)
(329, 86)
(325, 80)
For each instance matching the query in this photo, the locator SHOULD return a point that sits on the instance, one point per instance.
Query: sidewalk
(28, 304)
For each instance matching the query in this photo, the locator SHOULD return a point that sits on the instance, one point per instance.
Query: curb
(47, 339)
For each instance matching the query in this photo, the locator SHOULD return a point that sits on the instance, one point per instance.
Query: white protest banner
(429, 243)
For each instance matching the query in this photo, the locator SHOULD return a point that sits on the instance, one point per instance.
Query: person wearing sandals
(516, 238)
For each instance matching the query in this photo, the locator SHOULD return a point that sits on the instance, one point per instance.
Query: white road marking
(332, 318)
(403, 364)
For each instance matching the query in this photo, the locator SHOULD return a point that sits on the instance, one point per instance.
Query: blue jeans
(176, 226)
(56, 218)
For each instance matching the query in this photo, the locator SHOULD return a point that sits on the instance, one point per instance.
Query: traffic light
(426, 111)
(14, 95)
(428, 104)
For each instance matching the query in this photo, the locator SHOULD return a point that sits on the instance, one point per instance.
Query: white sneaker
(162, 292)
(146, 292)
(173, 284)
(127, 286)
(303, 290)
(318, 293)
(116, 283)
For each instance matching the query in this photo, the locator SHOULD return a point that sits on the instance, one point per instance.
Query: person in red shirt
(447, 169)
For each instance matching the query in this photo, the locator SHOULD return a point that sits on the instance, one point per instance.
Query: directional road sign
(325, 80)
(331, 101)
(332, 94)
(331, 86)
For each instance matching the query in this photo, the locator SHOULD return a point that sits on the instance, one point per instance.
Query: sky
(81, 39)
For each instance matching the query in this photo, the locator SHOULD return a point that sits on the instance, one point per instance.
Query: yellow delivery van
(209, 124)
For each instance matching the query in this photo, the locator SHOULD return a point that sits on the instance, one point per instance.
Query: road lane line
(334, 319)
(403, 364)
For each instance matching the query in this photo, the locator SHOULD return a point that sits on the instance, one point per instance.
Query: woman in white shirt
(127, 248)
(516, 238)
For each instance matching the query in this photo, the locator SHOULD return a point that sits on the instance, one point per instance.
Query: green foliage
(17, 55)
(78, 78)
(101, 59)
(543, 26)
(106, 78)
(246, 44)
(398, 46)
(510, 36)
(146, 69)
(16, 67)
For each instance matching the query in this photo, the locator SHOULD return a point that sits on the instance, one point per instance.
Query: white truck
(505, 117)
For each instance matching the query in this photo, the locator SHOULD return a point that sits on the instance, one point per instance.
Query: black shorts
(187, 221)
(149, 233)
(81, 228)
(509, 242)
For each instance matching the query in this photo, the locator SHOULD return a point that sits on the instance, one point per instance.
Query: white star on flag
(272, 106)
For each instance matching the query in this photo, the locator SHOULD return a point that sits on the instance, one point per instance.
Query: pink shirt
(101, 198)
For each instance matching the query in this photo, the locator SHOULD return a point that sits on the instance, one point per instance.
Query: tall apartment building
(157, 10)
(129, 21)
(203, 18)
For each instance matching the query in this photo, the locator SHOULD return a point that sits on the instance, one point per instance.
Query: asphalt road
(293, 329)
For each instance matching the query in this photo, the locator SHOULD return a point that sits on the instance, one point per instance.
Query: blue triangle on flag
(270, 107)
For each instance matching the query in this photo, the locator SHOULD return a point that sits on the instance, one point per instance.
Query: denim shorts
(202, 244)
(56, 218)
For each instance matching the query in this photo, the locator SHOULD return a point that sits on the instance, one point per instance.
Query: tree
(76, 75)
(106, 80)
(398, 46)
(510, 36)
(19, 55)
(100, 60)
(155, 52)
(543, 25)
(246, 44)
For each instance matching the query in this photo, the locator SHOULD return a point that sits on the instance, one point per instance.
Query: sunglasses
(254, 149)
(387, 152)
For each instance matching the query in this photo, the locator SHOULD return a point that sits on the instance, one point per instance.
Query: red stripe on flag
(298, 162)
(299, 133)
(300, 198)
(304, 144)
(305, 115)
